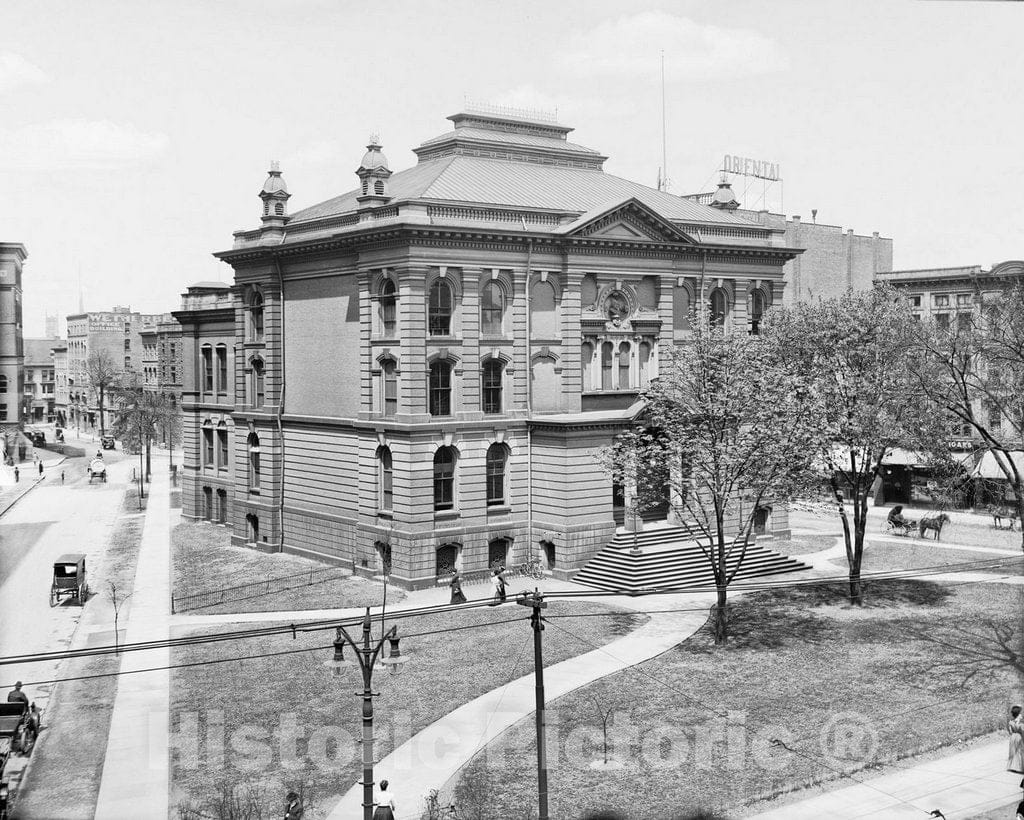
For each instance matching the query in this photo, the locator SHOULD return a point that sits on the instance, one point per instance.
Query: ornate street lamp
(366, 656)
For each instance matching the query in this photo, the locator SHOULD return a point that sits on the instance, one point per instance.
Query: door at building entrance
(654, 495)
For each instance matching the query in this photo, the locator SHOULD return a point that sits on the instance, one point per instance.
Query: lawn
(205, 561)
(254, 706)
(802, 544)
(883, 556)
(64, 777)
(841, 687)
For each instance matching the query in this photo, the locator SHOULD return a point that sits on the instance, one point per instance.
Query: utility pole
(535, 600)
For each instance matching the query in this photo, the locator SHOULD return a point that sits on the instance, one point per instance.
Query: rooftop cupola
(274, 194)
(724, 198)
(373, 173)
(275, 203)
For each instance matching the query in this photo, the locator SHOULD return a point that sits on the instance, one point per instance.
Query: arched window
(497, 458)
(439, 398)
(3, 384)
(222, 369)
(543, 318)
(366, 186)
(756, 311)
(492, 309)
(447, 559)
(624, 353)
(607, 351)
(254, 461)
(491, 392)
(444, 479)
(645, 364)
(390, 378)
(497, 552)
(385, 479)
(587, 361)
(388, 309)
(252, 526)
(439, 309)
(378, 187)
(719, 307)
(256, 316)
(279, 209)
(266, 207)
(257, 389)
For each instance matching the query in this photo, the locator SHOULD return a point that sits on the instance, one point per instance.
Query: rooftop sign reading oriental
(744, 166)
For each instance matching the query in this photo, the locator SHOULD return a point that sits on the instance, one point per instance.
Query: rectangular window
(207, 370)
(390, 388)
(942, 320)
(941, 300)
(222, 370)
(995, 418)
(963, 299)
(492, 387)
(208, 503)
(207, 447)
(127, 344)
(915, 301)
(222, 448)
(3, 412)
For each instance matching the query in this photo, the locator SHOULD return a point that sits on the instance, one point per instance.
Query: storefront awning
(989, 467)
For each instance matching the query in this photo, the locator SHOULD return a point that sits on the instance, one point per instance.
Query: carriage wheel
(83, 594)
(53, 596)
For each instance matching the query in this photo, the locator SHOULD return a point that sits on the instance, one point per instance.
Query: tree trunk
(860, 520)
(99, 393)
(148, 467)
(721, 617)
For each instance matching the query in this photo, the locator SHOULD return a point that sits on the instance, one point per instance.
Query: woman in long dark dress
(385, 803)
(458, 597)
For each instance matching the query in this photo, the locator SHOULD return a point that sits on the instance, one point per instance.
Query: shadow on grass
(778, 618)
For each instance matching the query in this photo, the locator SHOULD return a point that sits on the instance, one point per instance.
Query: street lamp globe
(395, 659)
(337, 664)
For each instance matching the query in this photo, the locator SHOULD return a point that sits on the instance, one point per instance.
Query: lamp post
(366, 656)
(535, 601)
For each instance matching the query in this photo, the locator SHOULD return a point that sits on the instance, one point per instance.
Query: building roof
(37, 351)
(506, 161)
(465, 179)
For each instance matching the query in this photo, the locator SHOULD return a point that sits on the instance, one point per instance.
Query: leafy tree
(975, 374)
(102, 371)
(728, 427)
(854, 349)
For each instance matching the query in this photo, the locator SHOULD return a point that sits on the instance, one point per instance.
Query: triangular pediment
(628, 220)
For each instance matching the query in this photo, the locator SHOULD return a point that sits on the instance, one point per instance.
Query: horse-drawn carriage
(69, 579)
(19, 726)
(97, 469)
(898, 525)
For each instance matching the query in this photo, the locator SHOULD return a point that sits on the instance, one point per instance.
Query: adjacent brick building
(40, 396)
(419, 372)
(833, 261)
(12, 374)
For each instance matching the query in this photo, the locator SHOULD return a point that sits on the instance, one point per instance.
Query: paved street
(52, 519)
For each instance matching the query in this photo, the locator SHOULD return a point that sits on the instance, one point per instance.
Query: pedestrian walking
(385, 803)
(458, 597)
(17, 474)
(1015, 753)
(61, 476)
(293, 809)
(501, 582)
(40, 468)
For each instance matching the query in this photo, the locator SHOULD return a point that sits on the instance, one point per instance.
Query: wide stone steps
(672, 557)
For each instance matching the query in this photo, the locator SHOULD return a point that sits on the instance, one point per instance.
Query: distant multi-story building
(418, 373)
(206, 336)
(60, 387)
(12, 374)
(833, 261)
(118, 332)
(150, 371)
(40, 395)
(169, 352)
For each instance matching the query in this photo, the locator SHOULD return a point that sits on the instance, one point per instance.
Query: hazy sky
(135, 135)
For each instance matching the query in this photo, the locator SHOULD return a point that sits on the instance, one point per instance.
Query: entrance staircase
(672, 557)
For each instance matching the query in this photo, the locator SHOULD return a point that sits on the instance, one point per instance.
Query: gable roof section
(627, 218)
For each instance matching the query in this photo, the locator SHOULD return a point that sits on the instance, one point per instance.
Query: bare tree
(974, 373)
(102, 371)
(605, 715)
(854, 348)
(141, 415)
(117, 599)
(729, 426)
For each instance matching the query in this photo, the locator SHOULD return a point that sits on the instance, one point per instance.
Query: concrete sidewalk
(11, 491)
(135, 782)
(961, 786)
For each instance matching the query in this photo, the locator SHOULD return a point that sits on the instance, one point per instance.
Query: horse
(933, 522)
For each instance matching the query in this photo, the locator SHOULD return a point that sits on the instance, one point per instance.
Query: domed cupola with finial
(724, 198)
(373, 173)
(275, 197)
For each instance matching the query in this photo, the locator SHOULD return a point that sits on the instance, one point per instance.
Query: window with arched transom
(444, 478)
(254, 316)
(491, 386)
(719, 307)
(439, 309)
(497, 462)
(385, 479)
(253, 446)
(492, 309)
(388, 301)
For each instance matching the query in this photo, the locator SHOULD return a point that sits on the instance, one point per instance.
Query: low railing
(255, 589)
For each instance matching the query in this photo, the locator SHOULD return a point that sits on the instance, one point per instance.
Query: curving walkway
(433, 756)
